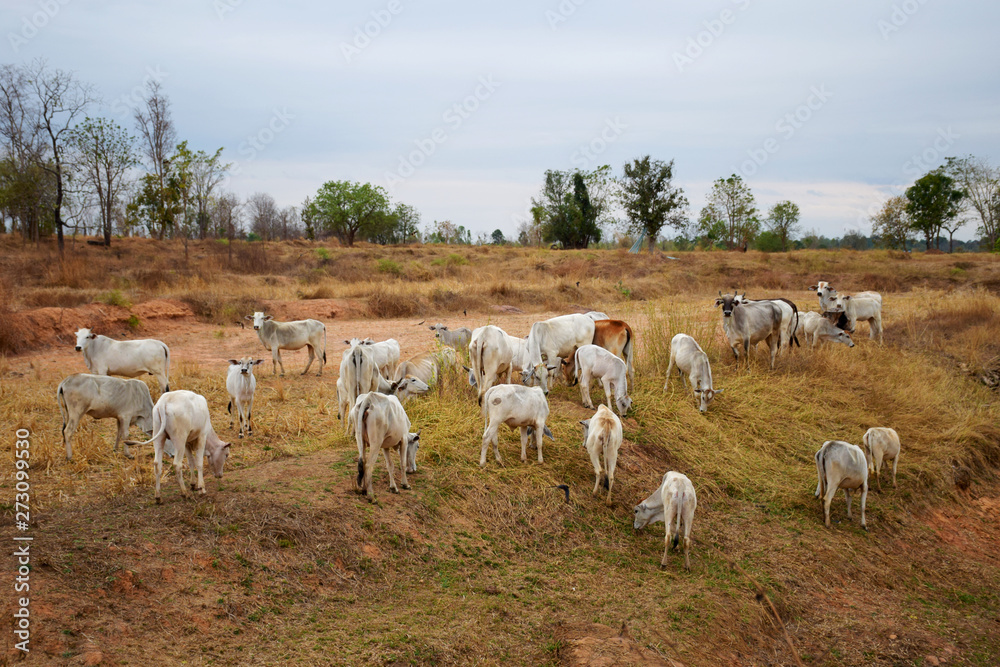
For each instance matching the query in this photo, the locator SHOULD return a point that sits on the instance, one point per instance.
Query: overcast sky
(458, 108)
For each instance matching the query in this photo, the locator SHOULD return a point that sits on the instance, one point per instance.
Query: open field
(283, 562)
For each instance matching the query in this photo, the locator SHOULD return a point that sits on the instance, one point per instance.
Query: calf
(516, 406)
(827, 296)
(602, 434)
(385, 355)
(458, 339)
(103, 397)
(748, 324)
(551, 340)
(789, 318)
(241, 384)
(819, 328)
(841, 465)
(182, 425)
(616, 337)
(691, 360)
(490, 356)
(277, 336)
(381, 425)
(128, 358)
(866, 308)
(674, 504)
(881, 444)
(593, 362)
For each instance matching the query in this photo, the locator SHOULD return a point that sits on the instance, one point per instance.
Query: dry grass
(477, 565)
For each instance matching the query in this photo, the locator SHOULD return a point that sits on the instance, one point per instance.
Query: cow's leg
(250, 416)
(894, 462)
(670, 367)
(610, 463)
(688, 522)
(157, 468)
(847, 493)
(878, 322)
(524, 444)
(595, 460)
(276, 359)
(309, 362)
(864, 500)
(68, 430)
(370, 469)
(877, 460)
(402, 464)
(180, 448)
(489, 435)
(608, 392)
(668, 515)
(388, 466)
(122, 432)
(585, 388)
(539, 432)
(773, 344)
(831, 491)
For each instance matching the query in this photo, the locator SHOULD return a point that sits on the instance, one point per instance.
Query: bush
(388, 266)
(115, 298)
(386, 303)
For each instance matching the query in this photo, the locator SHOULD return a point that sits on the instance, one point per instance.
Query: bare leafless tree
(22, 152)
(158, 136)
(103, 154)
(263, 213)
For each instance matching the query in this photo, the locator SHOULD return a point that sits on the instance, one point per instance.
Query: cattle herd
(374, 385)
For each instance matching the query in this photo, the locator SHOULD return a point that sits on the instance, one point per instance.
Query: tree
(932, 202)
(783, 220)
(345, 209)
(264, 216)
(565, 209)
(980, 186)
(27, 192)
(650, 199)
(891, 224)
(207, 172)
(103, 153)
(59, 100)
(731, 213)
(498, 238)
(156, 130)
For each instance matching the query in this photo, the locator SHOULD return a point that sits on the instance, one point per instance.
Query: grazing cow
(128, 358)
(616, 337)
(691, 360)
(403, 388)
(385, 354)
(183, 425)
(458, 339)
(553, 339)
(593, 362)
(358, 375)
(748, 324)
(426, 366)
(381, 425)
(241, 384)
(516, 406)
(674, 504)
(490, 357)
(602, 435)
(841, 465)
(815, 326)
(277, 336)
(789, 318)
(103, 397)
(865, 308)
(881, 444)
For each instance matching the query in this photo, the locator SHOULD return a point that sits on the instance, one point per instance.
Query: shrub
(389, 266)
(386, 303)
(115, 298)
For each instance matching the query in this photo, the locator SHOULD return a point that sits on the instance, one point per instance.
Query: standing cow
(241, 385)
(841, 465)
(881, 444)
(747, 324)
(691, 360)
(128, 358)
(602, 436)
(674, 504)
(549, 342)
(103, 397)
(277, 336)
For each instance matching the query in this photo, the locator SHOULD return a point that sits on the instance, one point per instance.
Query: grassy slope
(478, 566)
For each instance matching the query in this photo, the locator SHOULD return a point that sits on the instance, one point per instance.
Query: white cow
(597, 315)
(841, 465)
(691, 360)
(746, 324)
(674, 504)
(789, 317)
(381, 425)
(103, 397)
(818, 328)
(881, 444)
(241, 384)
(358, 375)
(602, 435)
(594, 362)
(128, 358)
(277, 336)
(827, 297)
(517, 407)
(458, 339)
(182, 425)
(490, 358)
(426, 366)
(866, 308)
(552, 340)
(385, 354)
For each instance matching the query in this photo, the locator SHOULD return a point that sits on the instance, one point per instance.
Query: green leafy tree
(783, 221)
(158, 201)
(650, 199)
(498, 238)
(566, 211)
(932, 202)
(346, 209)
(890, 225)
(731, 211)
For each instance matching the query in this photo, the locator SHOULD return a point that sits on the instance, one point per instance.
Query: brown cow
(616, 337)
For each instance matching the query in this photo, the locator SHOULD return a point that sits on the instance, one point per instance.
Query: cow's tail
(359, 436)
(63, 410)
(356, 361)
(163, 428)
(795, 327)
(602, 441)
(482, 354)
(629, 345)
(576, 365)
(679, 510)
(166, 367)
(821, 471)
(324, 344)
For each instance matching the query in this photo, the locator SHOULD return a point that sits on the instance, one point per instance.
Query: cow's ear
(347, 342)
(444, 328)
(697, 391)
(846, 298)
(432, 328)
(813, 287)
(718, 302)
(395, 385)
(93, 335)
(248, 317)
(233, 362)
(719, 391)
(226, 446)
(268, 317)
(258, 362)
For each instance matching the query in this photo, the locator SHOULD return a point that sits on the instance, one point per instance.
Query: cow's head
(729, 303)
(624, 404)
(437, 329)
(842, 337)
(585, 423)
(246, 364)
(258, 319)
(568, 366)
(648, 511)
(144, 419)
(705, 397)
(538, 375)
(217, 458)
(412, 444)
(82, 336)
(408, 386)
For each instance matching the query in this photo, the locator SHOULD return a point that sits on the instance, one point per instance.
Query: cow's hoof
(129, 456)
(663, 565)
(406, 487)
(393, 489)
(241, 435)
(159, 501)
